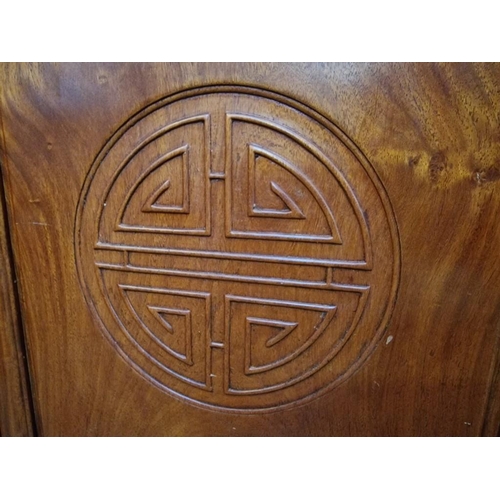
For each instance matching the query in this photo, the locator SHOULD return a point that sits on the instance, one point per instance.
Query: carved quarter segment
(156, 182)
(263, 351)
(259, 163)
(304, 216)
(165, 198)
(276, 360)
(173, 320)
(223, 243)
(177, 322)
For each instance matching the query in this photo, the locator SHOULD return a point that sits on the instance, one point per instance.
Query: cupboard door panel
(257, 249)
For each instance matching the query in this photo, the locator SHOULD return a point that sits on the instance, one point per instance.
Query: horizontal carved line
(282, 303)
(318, 238)
(151, 229)
(235, 277)
(166, 291)
(303, 261)
(224, 266)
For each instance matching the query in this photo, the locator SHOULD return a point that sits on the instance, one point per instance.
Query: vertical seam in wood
(19, 335)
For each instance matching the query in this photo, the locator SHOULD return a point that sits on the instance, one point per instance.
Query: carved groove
(207, 275)
(305, 261)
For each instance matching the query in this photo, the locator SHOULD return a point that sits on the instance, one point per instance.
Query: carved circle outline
(345, 140)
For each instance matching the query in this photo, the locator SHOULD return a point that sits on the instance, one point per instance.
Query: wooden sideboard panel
(257, 249)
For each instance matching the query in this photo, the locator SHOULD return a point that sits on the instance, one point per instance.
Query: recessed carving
(154, 183)
(288, 209)
(172, 195)
(271, 343)
(265, 173)
(237, 249)
(170, 326)
(177, 322)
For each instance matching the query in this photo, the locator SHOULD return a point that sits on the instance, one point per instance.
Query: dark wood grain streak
(431, 132)
(15, 397)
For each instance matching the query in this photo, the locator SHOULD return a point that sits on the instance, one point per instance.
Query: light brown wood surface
(257, 249)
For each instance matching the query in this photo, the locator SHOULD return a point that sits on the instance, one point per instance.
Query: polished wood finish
(15, 398)
(257, 249)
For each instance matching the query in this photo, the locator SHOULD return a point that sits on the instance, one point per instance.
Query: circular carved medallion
(237, 249)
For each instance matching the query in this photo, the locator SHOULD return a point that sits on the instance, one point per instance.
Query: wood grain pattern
(15, 411)
(431, 132)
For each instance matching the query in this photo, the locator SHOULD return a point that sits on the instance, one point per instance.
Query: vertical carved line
(228, 184)
(207, 153)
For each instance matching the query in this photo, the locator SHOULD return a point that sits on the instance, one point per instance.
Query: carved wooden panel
(237, 249)
(256, 249)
